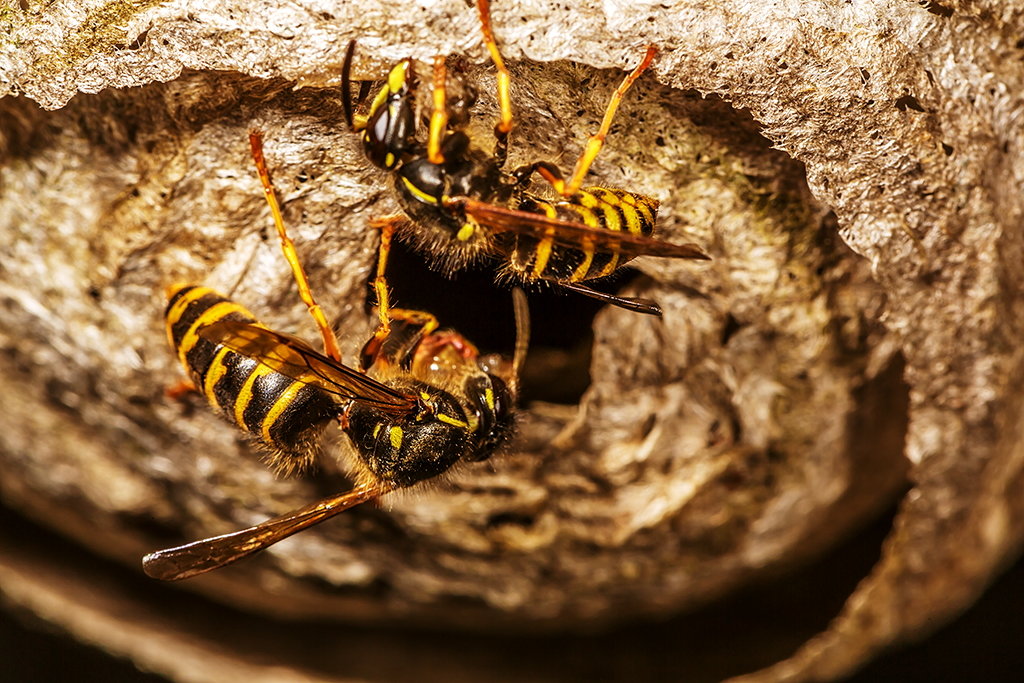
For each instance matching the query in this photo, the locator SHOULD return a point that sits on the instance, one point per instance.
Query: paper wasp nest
(854, 172)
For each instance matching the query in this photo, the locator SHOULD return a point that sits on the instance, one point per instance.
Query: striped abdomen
(284, 414)
(597, 207)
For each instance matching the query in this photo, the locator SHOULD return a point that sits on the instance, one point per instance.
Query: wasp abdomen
(597, 207)
(284, 414)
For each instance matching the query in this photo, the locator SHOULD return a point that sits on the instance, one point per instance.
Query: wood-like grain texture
(854, 170)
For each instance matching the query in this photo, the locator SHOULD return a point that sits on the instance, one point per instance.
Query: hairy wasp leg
(387, 226)
(288, 247)
(596, 140)
(636, 304)
(504, 125)
(439, 115)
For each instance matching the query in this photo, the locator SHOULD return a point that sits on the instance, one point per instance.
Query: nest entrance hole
(557, 368)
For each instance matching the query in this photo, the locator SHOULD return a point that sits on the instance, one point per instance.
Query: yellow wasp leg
(596, 140)
(504, 125)
(439, 116)
(288, 247)
(387, 226)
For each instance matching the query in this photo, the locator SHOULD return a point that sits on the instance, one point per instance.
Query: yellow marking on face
(209, 316)
(425, 396)
(245, 395)
(489, 398)
(396, 79)
(214, 374)
(418, 193)
(280, 405)
(395, 434)
(376, 429)
(389, 159)
(378, 101)
(447, 419)
(465, 232)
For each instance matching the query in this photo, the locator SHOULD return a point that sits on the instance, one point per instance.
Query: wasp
(461, 204)
(420, 401)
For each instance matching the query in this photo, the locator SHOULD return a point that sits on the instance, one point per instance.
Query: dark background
(985, 644)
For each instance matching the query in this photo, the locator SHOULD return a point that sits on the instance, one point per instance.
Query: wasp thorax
(402, 452)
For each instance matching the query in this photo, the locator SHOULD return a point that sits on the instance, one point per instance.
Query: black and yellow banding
(284, 414)
(596, 207)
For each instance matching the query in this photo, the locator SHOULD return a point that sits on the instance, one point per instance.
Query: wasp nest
(854, 172)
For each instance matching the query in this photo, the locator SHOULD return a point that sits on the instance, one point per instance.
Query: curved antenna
(346, 85)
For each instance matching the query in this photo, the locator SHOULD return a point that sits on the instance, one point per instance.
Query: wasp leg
(596, 140)
(387, 226)
(504, 125)
(288, 247)
(636, 304)
(439, 116)
(180, 390)
(545, 169)
(398, 346)
(521, 310)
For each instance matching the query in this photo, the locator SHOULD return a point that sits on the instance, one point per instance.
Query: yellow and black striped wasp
(460, 203)
(421, 400)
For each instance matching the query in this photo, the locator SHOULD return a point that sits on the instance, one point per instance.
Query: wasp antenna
(346, 85)
(521, 308)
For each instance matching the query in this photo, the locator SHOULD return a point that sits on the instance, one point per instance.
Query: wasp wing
(202, 556)
(296, 359)
(572, 234)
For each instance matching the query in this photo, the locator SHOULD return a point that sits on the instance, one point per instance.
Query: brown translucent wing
(296, 359)
(571, 233)
(212, 553)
